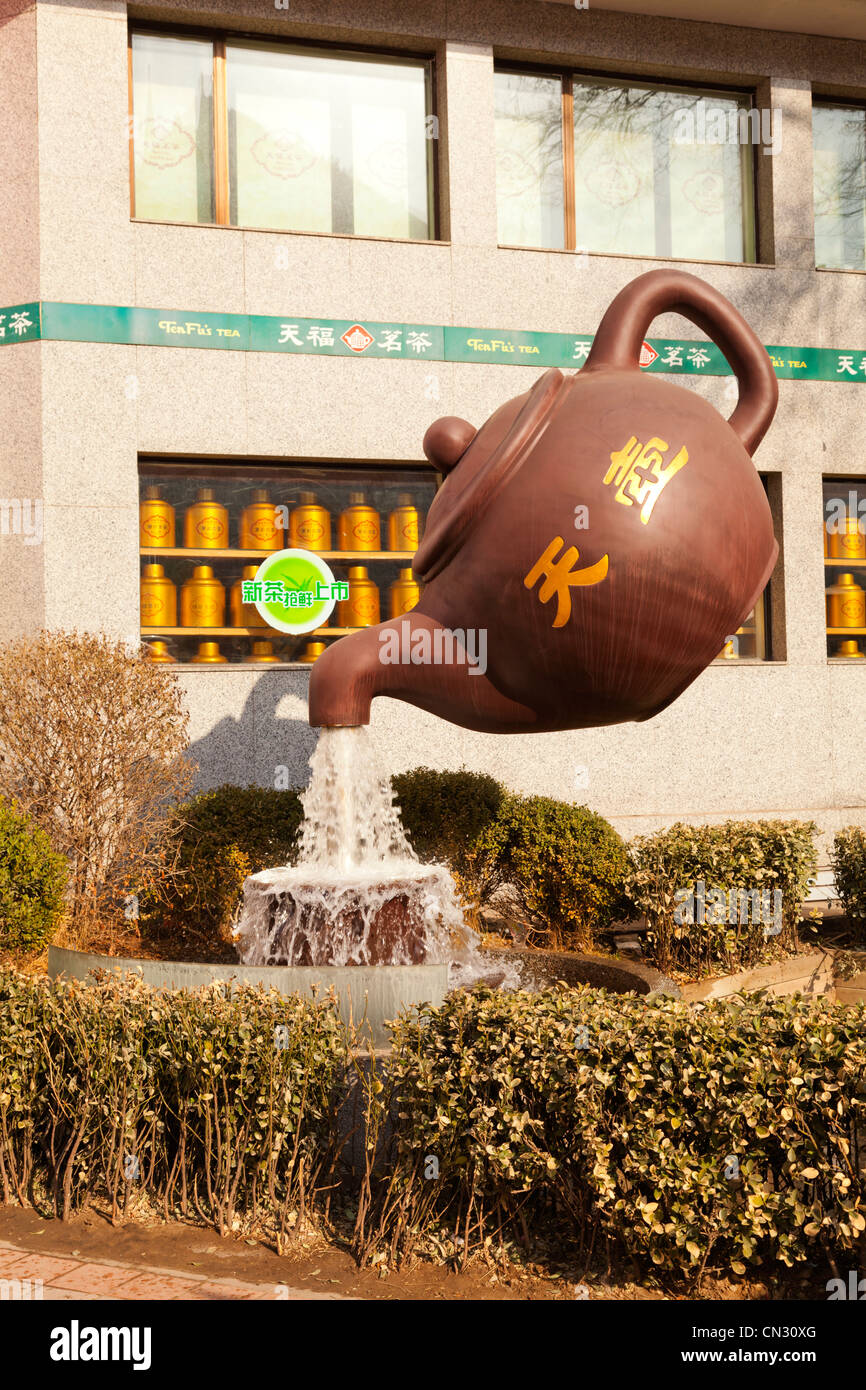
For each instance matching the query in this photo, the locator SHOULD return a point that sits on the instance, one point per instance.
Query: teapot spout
(416, 659)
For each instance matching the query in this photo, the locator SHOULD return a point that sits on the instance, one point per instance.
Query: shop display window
(845, 567)
(204, 528)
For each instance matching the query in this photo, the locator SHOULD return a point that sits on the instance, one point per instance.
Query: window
(839, 176)
(205, 528)
(641, 170)
(252, 134)
(845, 567)
(754, 640)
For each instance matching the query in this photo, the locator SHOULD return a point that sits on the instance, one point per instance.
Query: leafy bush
(32, 882)
(735, 857)
(849, 868)
(216, 1106)
(718, 1138)
(565, 863)
(91, 748)
(223, 835)
(444, 814)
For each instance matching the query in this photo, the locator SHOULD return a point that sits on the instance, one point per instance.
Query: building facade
(262, 247)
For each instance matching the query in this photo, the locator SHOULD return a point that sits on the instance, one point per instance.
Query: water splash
(358, 894)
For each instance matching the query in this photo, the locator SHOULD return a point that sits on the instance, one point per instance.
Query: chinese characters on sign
(276, 591)
(640, 473)
(385, 340)
(18, 323)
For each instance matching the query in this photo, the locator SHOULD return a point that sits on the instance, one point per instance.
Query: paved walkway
(65, 1278)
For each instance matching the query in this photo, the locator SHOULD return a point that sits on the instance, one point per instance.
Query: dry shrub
(91, 748)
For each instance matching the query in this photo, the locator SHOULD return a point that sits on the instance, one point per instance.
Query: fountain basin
(367, 996)
(321, 917)
(541, 969)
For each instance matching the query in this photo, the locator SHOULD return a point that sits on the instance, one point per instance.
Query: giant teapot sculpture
(605, 531)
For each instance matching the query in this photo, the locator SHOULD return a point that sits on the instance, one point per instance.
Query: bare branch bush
(92, 742)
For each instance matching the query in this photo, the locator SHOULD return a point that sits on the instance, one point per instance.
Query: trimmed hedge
(216, 1107)
(565, 863)
(33, 881)
(723, 1138)
(735, 857)
(224, 835)
(720, 1138)
(849, 868)
(444, 815)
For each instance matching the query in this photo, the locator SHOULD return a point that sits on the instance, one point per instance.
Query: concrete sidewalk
(33, 1274)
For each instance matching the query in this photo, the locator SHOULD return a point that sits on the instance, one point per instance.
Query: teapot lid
(488, 462)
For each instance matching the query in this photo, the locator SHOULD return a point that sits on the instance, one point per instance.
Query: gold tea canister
(206, 523)
(261, 525)
(158, 598)
(209, 654)
(156, 527)
(311, 651)
(361, 608)
(244, 614)
(849, 647)
(310, 524)
(359, 527)
(403, 594)
(403, 524)
(846, 603)
(157, 653)
(203, 600)
(262, 652)
(848, 543)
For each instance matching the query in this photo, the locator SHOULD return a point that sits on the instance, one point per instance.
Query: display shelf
(844, 564)
(846, 631)
(350, 556)
(263, 634)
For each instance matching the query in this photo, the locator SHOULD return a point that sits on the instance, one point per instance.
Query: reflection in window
(172, 128)
(323, 143)
(529, 169)
(662, 173)
(839, 175)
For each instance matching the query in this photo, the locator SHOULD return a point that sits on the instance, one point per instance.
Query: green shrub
(32, 882)
(723, 1138)
(224, 835)
(565, 863)
(735, 857)
(444, 814)
(209, 1105)
(849, 868)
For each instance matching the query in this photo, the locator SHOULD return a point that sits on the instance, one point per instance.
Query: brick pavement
(66, 1278)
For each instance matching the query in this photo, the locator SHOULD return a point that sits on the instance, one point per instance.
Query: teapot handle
(624, 327)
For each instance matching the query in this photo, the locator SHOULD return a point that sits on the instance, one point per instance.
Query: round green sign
(294, 591)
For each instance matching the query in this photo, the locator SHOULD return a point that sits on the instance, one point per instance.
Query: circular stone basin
(541, 969)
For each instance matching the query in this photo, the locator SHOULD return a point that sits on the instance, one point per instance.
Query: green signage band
(415, 342)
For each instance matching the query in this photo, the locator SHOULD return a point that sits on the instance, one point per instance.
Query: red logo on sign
(648, 355)
(357, 338)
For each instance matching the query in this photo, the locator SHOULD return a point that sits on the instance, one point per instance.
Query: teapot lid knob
(447, 440)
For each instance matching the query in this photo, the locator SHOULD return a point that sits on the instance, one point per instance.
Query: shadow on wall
(269, 742)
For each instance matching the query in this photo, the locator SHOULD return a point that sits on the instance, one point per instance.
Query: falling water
(358, 894)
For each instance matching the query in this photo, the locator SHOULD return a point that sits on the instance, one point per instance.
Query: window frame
(568, 76)
(219, 38)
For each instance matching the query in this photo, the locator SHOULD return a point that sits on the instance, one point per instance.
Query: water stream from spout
(357, 894)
